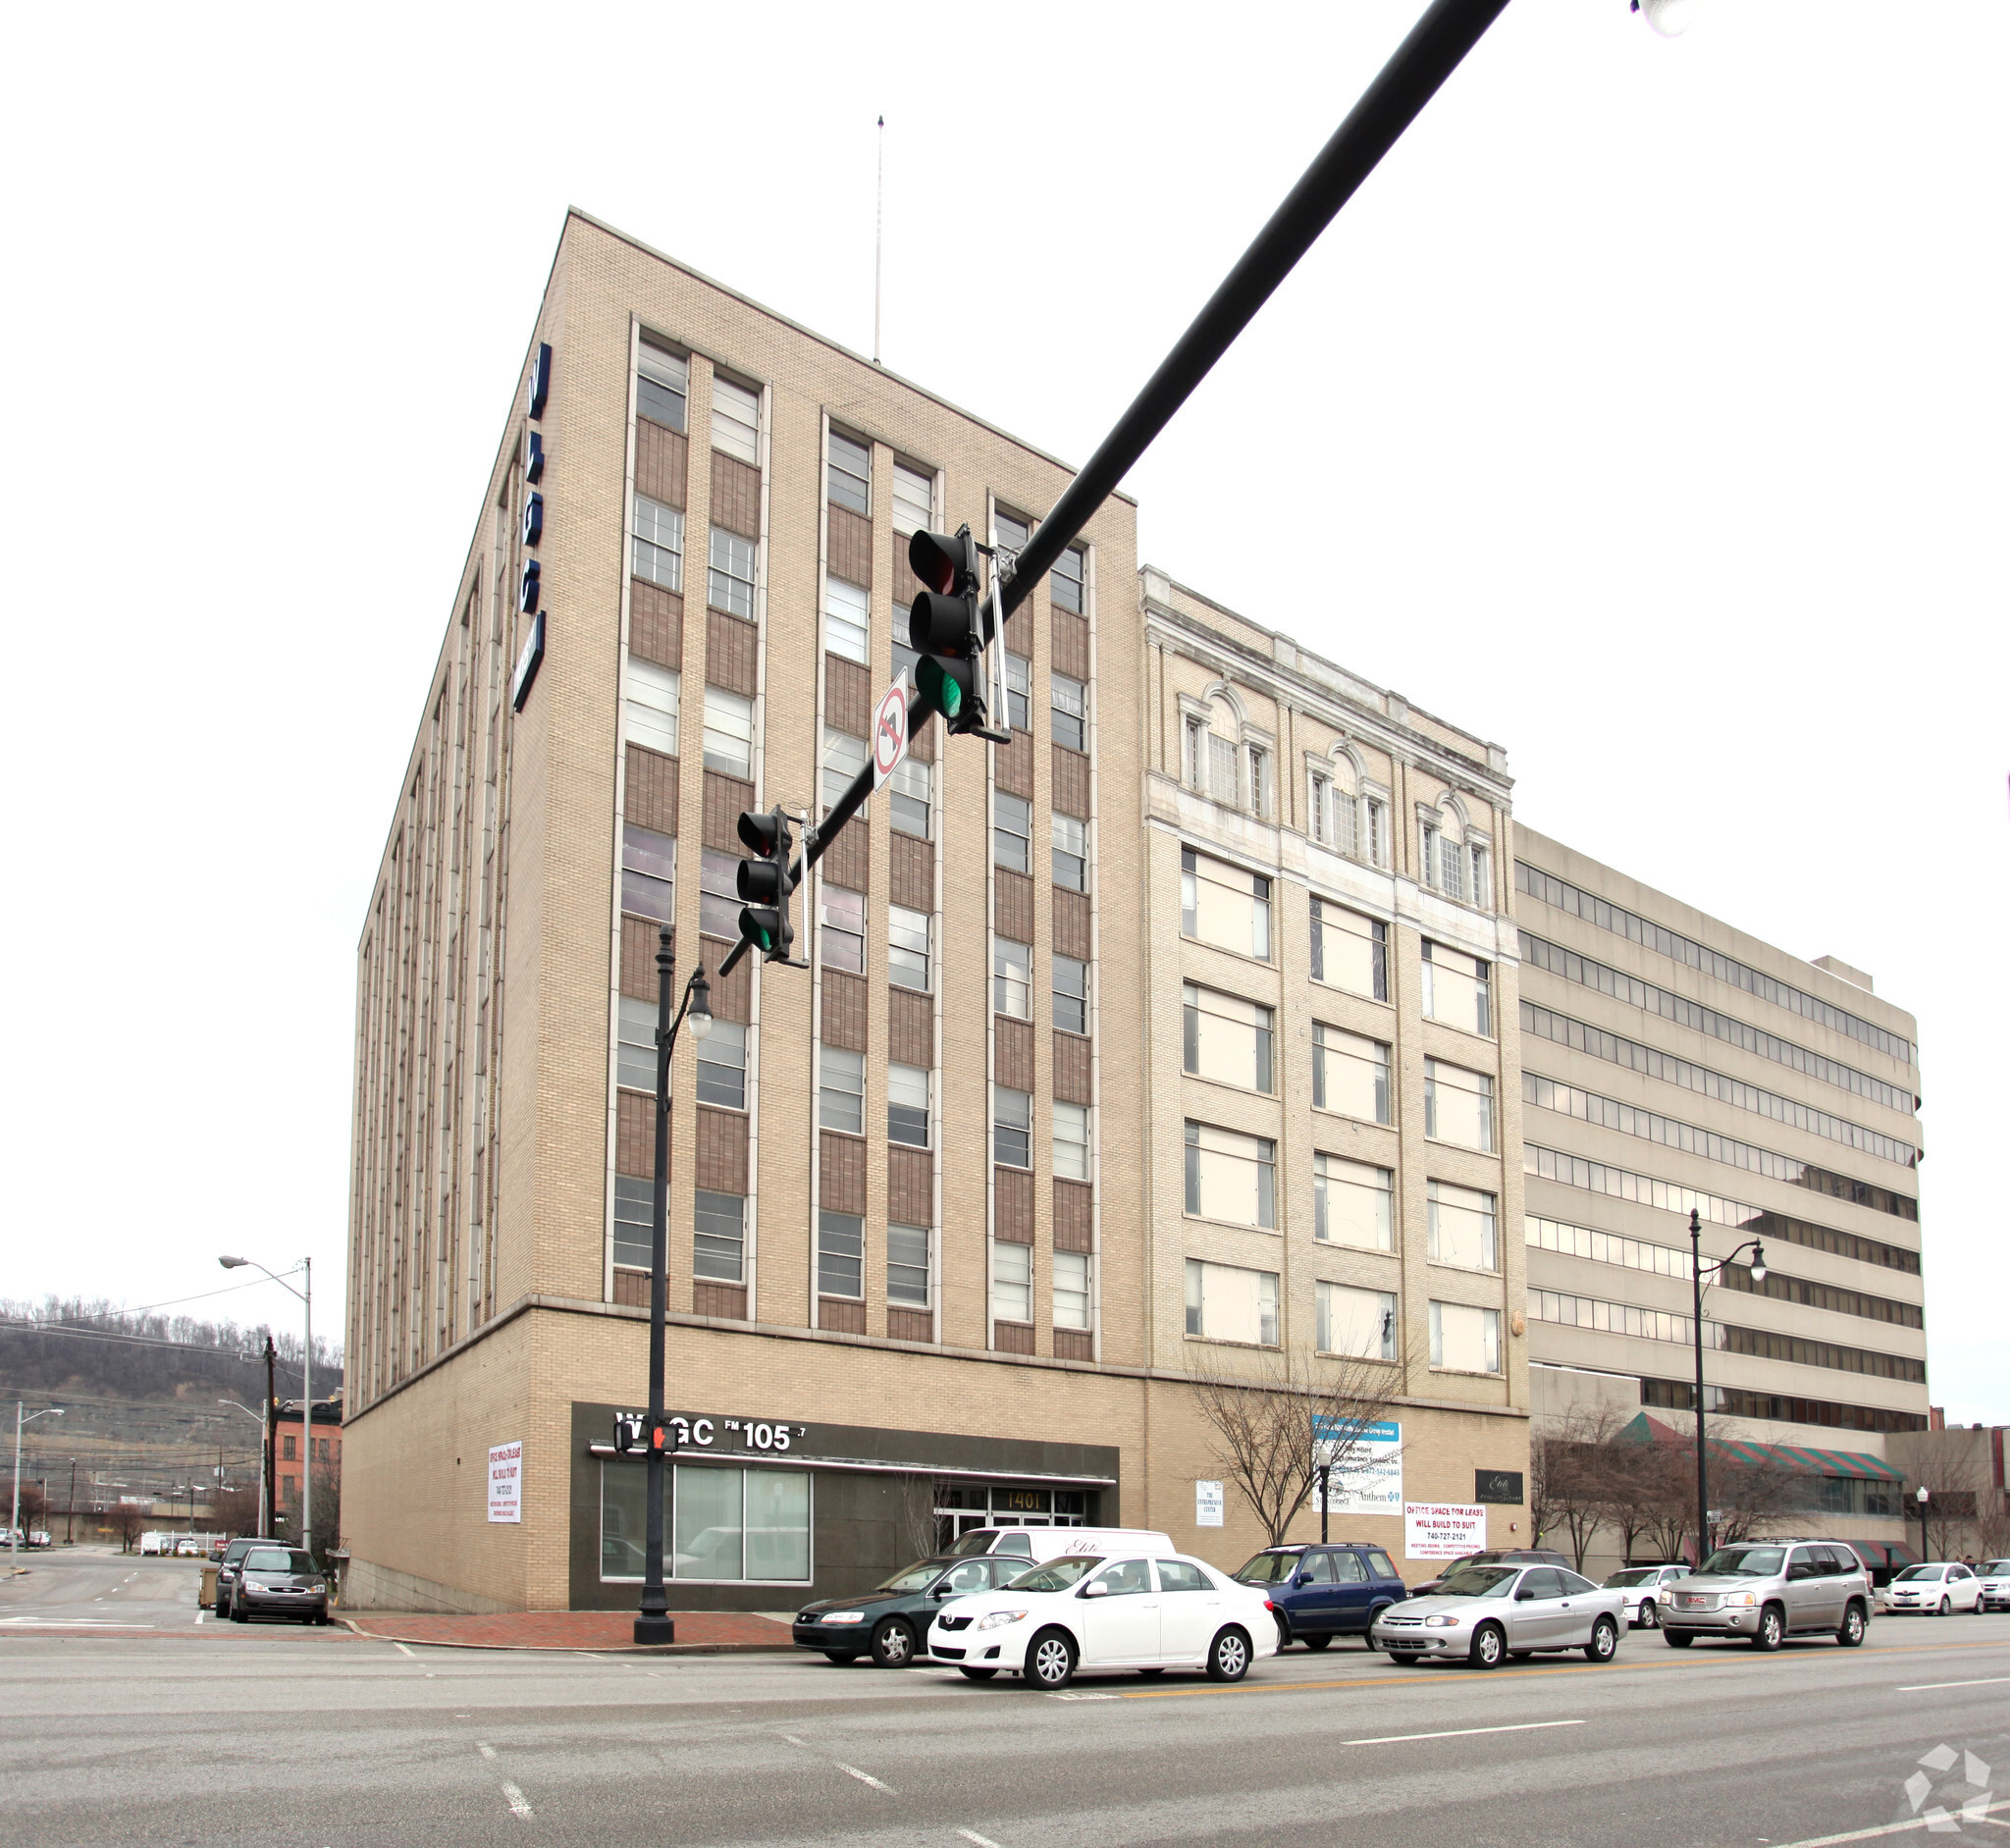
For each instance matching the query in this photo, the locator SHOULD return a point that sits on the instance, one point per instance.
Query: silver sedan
(1484, 1613)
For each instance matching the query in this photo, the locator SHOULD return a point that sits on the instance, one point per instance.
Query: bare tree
(1666, 1479)
(1751, 1492)
(1578, 1461)
(126, 1521)
(920, 1534)
(1273, 1425)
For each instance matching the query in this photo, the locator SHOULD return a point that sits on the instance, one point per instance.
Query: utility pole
(267, 1476)
(69, 1513)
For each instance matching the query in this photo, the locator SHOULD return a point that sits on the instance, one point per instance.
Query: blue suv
(1323, 1590)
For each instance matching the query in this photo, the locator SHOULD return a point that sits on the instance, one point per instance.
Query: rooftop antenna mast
(878, 237)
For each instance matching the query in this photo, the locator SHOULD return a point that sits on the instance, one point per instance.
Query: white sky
(1644, 413)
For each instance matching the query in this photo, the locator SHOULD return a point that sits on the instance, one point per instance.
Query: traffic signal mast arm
(1434, 49)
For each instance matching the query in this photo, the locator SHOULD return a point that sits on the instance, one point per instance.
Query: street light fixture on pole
(49, 1412)
(1921, 1497)
(1698, 1264)
(651, 1621)
(306, 1297)
(264, 1424)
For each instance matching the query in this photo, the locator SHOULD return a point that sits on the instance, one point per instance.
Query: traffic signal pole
(1436, 46)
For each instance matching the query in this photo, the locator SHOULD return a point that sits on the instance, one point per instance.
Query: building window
(1225, 1303)
(649, 707)
(292, 1452)
(1223, 905)
(847, 620)
(1458, 1106)
(661, 384)
(1224, 783)
(1011, 1283)
(907, 947)
(914, 499)
(1462, 1230)
(1451, 866)
(1071, 1142)
(841, 942)
(1378, 831)
(844, 756)
(736, 420)
(1332, 810)
(1066, 582)
(913, 784)
(1349, 1074)
(729, 585)
(1457, 989)
(1012, 831)
(841, 1255)
(1017, 692)
(850, 474)
(649, 871)
(719, 1238)
(722, 1065)
(1070, 1289)
(736, 1525)
(1011, 1127)
(658, 549)
(1353, 1203)
(1011, 978)
(1070, 995)
(634, 1222)
(635, 1048)
(1014, 534)
(321, 1449)
(1071, 853)
(1259, 781)
(1068, 700)
(718, 894)
(1227, 1039)
(1478, 885)
(1465, 1340)
(1350, 951)
(907, 1266)
(728, 732)
(841, 1091)
(1231, 1177)
(1357, 1323)
(906, 1104)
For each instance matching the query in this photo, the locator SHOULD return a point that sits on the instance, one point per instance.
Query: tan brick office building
(928, 1241)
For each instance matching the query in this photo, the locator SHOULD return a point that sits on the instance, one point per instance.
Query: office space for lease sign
(1443, 1530)
(506, 1482)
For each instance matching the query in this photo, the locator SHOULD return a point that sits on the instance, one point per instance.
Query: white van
(1036, 1545)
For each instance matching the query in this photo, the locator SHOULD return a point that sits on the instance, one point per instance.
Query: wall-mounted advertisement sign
(506, 1482)
(1443, 1530)
(1208, 1505)
(1368, 1478)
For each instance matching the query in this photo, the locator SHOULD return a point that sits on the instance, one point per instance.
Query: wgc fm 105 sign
(681, 1433)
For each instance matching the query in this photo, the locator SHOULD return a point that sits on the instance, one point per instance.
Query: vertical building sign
(1208, 1505)
(506, 1482)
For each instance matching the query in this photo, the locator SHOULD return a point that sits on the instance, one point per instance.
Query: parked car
(189, 1546)
(40, 1537)
(1035, 1544)
(278, 1582)
(1992, 1580)
(1482, 1615)
(226, 1567)
(1138, 1612)
(1765, 1590)
(1499, 1556)
(1646, 1590)
(1940, 1587)
(890, 1623)
(1320, 1592)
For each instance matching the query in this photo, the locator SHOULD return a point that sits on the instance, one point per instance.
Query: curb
(582, 1649)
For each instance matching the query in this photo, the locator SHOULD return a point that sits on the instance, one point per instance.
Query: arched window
(1455, 857)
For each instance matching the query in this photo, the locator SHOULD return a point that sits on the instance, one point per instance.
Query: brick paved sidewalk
(698, 1632)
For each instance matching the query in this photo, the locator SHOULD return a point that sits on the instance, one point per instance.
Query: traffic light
(765, 884)
(945, 628)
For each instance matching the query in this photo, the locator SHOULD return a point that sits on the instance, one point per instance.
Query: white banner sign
(1369, 1479)
(1208, 1505)
(506, 1482)
(1443, 1530)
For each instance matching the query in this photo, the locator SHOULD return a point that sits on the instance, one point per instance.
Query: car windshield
(916, 1577)
(1993, 1568)
(276, 1559)
(1745, 1562)
(1920, 1571)
(1056, 1574)
(977, 1540)
(1639, 1575)
(1269, 1568)
(1478, 1581)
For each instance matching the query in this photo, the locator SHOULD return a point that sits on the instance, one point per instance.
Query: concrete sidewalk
(698, 1632)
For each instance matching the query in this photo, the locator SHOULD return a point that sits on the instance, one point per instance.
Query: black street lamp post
(1698, 1264)
(1921, 1497)
(652, 1621)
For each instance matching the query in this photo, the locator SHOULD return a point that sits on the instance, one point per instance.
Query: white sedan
(1993, 1579)
(1482, 1615)
(1938, 1588)
(1144, 1614)
(1645, 1589)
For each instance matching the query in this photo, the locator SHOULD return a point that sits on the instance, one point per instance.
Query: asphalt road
(280, 1735)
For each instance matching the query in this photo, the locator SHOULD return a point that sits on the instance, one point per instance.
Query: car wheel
(1604, 1641)
(237, 1613)
(1368, 1635)
(1050, 1661)
(1283, 1634)
(1851, 1634)
(1772, 1631)
(974, 1675)
(893, 1644)
(1650, 1614)
(1945, 1606)
(1677, 1639)
(1229, 1659)
(1319, 1642)
(844, 1658)
(1488, 1646)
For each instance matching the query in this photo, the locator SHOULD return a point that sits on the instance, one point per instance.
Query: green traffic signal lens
(942, 690)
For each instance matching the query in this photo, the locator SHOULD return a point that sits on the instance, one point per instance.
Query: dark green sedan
(891, 1621)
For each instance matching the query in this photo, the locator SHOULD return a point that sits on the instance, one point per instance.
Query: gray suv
(1768, 1590)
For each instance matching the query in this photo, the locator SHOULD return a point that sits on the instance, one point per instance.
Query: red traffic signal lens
(939, 559)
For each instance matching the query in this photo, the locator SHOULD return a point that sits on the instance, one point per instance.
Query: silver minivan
(1765, 1591)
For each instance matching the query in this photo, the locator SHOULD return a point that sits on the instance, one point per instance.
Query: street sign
(889, 732)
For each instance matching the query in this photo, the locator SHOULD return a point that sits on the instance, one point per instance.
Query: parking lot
(196, 1732)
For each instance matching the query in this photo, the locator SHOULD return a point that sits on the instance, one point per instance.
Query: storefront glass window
(720, 1524)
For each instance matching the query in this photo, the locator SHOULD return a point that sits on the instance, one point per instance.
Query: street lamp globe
(233, 1264)
(1669, 18)
(1758, 1262)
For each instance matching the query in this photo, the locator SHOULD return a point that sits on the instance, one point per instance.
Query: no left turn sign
(889, 732)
